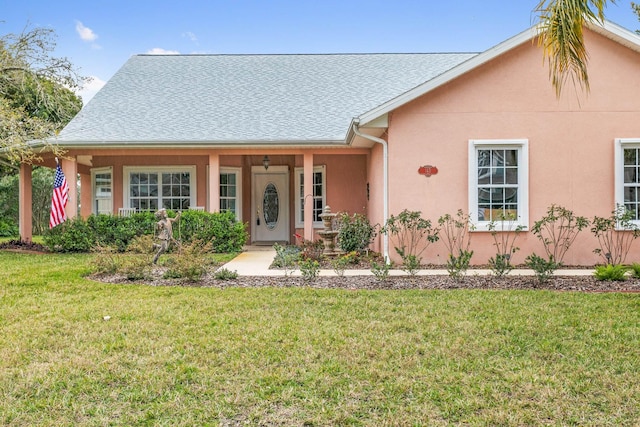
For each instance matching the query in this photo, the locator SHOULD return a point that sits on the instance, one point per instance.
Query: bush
(73, 235)
(226, 274)
(8, 229)
(190, 262)
(413, 234)
(615, 235)
(286, 257)
(222, 230)
(355, 233)
(309, 269)
(611, 272)
(543, 268)
(380, 271)
(135, 267)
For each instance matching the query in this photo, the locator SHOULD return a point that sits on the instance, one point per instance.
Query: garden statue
(165, 232)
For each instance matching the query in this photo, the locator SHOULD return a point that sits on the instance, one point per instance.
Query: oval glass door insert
(270, 206)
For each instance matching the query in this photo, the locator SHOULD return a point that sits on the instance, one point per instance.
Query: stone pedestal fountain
(328, 234)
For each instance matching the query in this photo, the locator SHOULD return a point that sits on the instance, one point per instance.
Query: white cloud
(85, 33)
(90, 88)
(160, 51)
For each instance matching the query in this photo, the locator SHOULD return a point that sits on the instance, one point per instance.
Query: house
(275, 138)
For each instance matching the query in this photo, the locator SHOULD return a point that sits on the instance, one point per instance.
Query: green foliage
(142, 245)
(225, 274)
(412, 233)
(557, 231)
(190, 262)
(458, 265)
(543, 268)
(505, 233)
(8, 228)
(36, 93)
(135, 267)
(410, 264)
(106, 261)
(311, 250)
(340, 264)
(355, 233)
(380, 270)
(221, 229)
(611, 272)
(286, 257)
(615, 235)
(309, 268)
(634, 269)
(73, 235)
(41, 185)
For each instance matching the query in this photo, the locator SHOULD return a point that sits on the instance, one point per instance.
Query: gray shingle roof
(248, 98)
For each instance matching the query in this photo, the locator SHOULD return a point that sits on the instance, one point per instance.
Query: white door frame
(284, 220)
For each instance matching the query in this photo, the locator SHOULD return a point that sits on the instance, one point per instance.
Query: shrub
(557, 231)
(410, 264)
(73, 235)
(286, 257)
(543, 268)
(190, 262)
(457, 239)
(380, 270)
(339, 264)
(8, 228)
(119, 231)
(615, 235)
(311, 250)
(458, 265)
(142, 245)
(355, 233)
(504, 233)
(635, 270)
(611, 272)
(221, 229)
(309, 269)
(413, 234)
(106, 260)
(135, 267)
(226, 274)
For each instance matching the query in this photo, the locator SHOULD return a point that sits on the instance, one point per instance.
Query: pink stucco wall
(571, 140)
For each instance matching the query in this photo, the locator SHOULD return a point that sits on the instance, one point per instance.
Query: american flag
(59, 199)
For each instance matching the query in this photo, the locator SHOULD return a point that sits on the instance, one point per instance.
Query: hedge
(222, 230)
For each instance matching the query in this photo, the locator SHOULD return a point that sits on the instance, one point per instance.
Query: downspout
(385, 183)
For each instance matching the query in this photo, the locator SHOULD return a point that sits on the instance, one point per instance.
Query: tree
(36, 92)
(562, 39)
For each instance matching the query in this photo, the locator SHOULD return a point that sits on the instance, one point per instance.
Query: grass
(270, 356)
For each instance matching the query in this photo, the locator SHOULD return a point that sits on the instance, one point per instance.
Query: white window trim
(297, 173)
(238, 173)
(620, 144)
(522, 145)
(94, 172)
(126, 177)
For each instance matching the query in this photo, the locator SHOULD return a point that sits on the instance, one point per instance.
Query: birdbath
(328, 234)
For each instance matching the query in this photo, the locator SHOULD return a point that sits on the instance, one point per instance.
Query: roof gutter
(385, 184)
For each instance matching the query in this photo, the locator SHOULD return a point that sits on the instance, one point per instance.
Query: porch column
(85, 195)
(70, 170)
(308, 196)
(25, 213)
(214, 183)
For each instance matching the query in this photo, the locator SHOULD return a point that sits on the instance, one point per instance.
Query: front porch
(277, 192)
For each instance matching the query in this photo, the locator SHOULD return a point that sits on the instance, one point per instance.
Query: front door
(270, 204)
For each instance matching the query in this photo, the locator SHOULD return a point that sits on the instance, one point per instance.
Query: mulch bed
(559, 283)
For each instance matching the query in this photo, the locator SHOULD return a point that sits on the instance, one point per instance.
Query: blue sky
(99, 36)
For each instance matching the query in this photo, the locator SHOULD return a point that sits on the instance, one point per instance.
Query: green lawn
(204, 356)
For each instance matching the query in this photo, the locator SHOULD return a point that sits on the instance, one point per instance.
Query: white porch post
(70, 170)
(25, 213)
(214, 183)
(308, 196)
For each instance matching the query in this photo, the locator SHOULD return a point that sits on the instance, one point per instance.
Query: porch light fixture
(265, 162)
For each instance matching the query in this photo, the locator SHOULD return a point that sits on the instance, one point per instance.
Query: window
(148, 189)
(230, 189)
(627, 180)
(102, 194)
(318, 196)
(498, 182)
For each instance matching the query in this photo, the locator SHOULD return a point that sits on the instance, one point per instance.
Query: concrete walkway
(255, 261)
